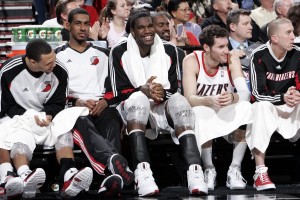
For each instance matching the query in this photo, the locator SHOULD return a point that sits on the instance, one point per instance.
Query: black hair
(75, 12)
(37, 47)
(173, 5)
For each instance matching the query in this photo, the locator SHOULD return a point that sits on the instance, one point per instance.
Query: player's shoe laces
(195, 179)
(235, 180)
(117, 164)
(76, 181)
(210, 176)
(11, 187)
(144, 181)
(111, 187)
(32, 181)
(262, 180)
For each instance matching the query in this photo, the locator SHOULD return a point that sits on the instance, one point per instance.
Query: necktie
(241, 46)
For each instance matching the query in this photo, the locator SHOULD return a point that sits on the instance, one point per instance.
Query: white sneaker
(12, 186)
(144, 181)
(235, 180)
(210, 176)
(195, 179)
(32, 181)
(76, 181)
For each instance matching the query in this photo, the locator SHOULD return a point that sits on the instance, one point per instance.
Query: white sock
(206, 156)
(259, 166)
(4, 168)
(239, 150)
(22, 169)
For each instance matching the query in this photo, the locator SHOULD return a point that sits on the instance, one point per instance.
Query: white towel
(23, 128)
(159, 63)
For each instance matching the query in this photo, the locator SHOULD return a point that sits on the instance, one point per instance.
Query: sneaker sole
(268, 187)
(14, 188)
(81, 181)
(235, 188)
(118, 165)
(34, 181)
(198, 192)
(153, 193)
(111, 186)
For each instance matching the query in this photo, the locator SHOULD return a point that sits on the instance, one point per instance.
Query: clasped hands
(153, 90)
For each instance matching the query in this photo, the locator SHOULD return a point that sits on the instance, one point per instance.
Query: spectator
(117, 12)
(294, 16)
(62, 9)
(281, 8)
(180, 12)
(91, 10)
(220, 8)
(240, 29)
(264, 14)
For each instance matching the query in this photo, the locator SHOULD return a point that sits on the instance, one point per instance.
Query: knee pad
(181, 111)
(65, 140)
(20, 148)
(137, 107)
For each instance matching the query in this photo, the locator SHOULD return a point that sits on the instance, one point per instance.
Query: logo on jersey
(278, 67)
(94, 60)
(46, 86)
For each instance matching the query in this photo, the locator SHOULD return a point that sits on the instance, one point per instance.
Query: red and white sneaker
(76, 181)
(111, 187)
(12, 186)
(262, 180)
(195, 179)
(144, 181)
(32, 181)
(117, 164)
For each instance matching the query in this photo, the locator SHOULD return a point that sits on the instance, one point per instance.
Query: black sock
(189, 149)
(138, 147)
(65, 165)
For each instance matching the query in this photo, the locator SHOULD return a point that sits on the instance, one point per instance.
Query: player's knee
(21, 149)
(180, 111)
(137, 107)
(65, 140)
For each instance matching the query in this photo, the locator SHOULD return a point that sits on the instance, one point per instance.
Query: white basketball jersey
(212, 84)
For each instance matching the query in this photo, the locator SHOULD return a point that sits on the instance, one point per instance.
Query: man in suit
(240, 29)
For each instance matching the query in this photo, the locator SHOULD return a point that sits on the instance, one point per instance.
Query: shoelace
(197, 175)
(238, 175)
(264, 177)
(209, 175)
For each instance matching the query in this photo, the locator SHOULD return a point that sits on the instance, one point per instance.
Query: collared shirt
(236, 44)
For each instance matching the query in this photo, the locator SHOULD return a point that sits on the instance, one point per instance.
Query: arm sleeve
(259, 87)
(242, 89)
(57, 102)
